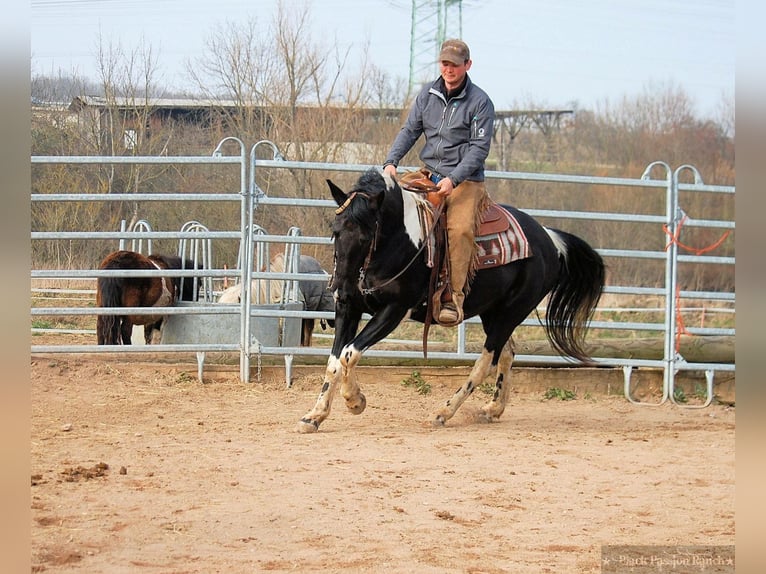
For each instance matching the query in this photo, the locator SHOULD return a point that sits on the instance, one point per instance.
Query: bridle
(373, 244)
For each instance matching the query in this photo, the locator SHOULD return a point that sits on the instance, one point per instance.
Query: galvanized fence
(244, 321)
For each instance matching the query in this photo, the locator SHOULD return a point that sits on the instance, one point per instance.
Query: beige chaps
(464, 207)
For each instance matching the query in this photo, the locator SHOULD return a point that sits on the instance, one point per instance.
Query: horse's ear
(338, 194)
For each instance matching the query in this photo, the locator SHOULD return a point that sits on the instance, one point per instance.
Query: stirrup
(449, 315)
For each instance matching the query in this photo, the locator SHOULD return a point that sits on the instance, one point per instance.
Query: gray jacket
(458, 132)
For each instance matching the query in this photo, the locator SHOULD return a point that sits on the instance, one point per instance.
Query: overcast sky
(555, 53)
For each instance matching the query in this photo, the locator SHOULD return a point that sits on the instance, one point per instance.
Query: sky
(557, 54)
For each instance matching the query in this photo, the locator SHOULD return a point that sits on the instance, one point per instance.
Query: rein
(363, 270)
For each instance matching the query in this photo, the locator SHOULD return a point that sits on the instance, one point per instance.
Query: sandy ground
(138, 467)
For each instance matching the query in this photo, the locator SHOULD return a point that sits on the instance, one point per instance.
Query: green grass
(417, 382)
(561, 394)
(486, 388)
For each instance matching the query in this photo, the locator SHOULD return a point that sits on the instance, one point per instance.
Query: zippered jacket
(458, 132)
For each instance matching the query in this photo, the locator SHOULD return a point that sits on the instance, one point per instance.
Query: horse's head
(186, 288)
(361, 205)
(356, 224)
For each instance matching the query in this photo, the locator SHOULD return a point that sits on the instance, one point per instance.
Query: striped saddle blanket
(500, 239)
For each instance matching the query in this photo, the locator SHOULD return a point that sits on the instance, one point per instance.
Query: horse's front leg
(356, 402)
(310, 422)
(126, 330)
(379, 327)
(153, 333)
(346, 324)
(479, 372)
(341, 366)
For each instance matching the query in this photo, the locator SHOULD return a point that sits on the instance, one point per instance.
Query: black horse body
(380, 269)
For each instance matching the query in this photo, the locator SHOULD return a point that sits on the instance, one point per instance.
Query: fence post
(244, 357)
(252, 195)
(675, 214)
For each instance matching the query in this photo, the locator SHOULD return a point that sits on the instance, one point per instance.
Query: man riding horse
(456, 117)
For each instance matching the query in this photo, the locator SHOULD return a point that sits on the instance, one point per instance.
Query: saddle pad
(495, 249)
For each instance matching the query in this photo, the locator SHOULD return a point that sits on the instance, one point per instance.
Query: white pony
(313, 295)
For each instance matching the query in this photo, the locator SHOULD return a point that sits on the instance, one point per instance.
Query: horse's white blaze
(412, 217)
(557, 241)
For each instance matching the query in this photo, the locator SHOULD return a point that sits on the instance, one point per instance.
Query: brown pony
(139, 292)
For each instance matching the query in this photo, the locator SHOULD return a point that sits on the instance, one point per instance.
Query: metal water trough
(224, 329)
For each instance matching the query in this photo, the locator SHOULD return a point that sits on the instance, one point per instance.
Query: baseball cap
(455, 51)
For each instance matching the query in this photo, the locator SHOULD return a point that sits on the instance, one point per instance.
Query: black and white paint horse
(378, 236)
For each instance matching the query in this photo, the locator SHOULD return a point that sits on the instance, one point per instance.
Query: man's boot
(451, 313)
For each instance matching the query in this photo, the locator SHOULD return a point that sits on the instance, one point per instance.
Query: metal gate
(254, 248)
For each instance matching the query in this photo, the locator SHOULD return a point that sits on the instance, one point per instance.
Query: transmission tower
(433, 21)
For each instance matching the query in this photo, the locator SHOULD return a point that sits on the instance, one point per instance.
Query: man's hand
(390, 169)
(445, 187)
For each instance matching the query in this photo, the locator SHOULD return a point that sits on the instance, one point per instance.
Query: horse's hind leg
(479, 372)
(494, 408)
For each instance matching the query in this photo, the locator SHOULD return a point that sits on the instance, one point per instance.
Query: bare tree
(312, 98)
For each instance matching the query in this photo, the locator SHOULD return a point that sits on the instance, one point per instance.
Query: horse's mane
(371, 181)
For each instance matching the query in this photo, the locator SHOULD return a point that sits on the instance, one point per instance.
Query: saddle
(420, 182)
(499, 239)
(494, 220)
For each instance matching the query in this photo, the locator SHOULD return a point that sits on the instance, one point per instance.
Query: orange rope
(674, 238)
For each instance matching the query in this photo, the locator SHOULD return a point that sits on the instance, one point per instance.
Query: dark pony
(316, 297)
(380, 269)
(128, 291)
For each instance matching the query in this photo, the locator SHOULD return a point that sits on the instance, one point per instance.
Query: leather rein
(363, 270)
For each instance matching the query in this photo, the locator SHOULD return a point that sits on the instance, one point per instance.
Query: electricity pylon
(433, 21)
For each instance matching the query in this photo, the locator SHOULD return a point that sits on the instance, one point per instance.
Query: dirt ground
(138, 467)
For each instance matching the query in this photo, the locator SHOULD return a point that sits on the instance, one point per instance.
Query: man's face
(453, 74)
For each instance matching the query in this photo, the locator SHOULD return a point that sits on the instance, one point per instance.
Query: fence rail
(251, 198)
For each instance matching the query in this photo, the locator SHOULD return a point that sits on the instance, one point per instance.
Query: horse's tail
(108, 294)
(573, 299)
